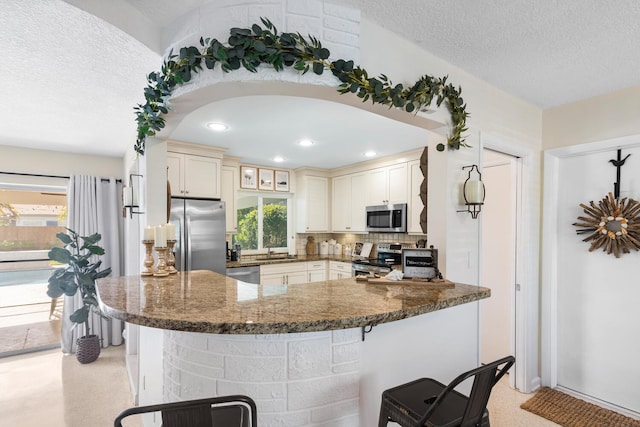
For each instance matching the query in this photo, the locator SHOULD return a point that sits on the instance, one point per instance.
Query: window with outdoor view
(29, 221)
(263, 221)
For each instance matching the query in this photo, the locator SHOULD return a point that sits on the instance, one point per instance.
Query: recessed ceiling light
(218, 127)
(278, 159)
(306, 142)
(370, 153)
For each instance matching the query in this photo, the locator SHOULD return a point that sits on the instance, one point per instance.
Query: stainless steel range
(389, 255)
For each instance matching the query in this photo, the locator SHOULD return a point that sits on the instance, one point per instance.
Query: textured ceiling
(545, 52)
(70, 80)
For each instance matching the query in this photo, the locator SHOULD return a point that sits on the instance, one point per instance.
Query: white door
(498, 255)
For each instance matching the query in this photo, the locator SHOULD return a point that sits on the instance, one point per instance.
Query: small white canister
(324, 248)
(337, 249)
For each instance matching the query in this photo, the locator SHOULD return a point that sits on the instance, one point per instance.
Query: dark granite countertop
(204, 301)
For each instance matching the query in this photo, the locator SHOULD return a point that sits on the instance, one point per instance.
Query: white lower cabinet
(339, 270)
(316, 271)
(302, 272)
(283, 274)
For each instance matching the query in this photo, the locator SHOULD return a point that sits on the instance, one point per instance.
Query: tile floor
(49, 388)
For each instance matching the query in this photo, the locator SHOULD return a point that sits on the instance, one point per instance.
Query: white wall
(597, 294)
(595, 119)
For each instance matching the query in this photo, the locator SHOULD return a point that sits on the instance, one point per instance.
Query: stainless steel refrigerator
(200, 234)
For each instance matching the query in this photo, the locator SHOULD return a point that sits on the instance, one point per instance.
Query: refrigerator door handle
(187, 238)
(182, 243)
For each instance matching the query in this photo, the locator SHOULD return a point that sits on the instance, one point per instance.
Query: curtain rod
(46, 176)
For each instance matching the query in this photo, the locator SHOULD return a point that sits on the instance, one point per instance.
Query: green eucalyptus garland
(249, 48)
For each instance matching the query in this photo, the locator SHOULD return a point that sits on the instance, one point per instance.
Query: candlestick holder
(148, 258)
(162, 263)
(171, 258)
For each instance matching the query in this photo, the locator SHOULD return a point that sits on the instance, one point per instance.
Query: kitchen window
(263, 221)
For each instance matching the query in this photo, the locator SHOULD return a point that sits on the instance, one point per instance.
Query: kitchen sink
(276, 257)
(273, 258)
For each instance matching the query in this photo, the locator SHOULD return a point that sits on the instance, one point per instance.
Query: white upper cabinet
(228, 192)
(387, 185)
(194, 171)
(348, 203)
(397, 183)
(312, 202)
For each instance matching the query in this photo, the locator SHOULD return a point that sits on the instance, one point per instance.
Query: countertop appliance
(387, 218)
(389, 255)
(200, 234)
(420, 263)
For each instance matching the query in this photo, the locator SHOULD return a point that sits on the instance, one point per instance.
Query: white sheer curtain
(94, 206)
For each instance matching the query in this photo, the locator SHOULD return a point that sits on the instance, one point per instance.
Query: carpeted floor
(569, 411)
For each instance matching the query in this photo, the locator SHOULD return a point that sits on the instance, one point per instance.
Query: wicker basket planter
(88, 348)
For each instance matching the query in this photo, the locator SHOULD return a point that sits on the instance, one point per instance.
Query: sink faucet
(270, 242)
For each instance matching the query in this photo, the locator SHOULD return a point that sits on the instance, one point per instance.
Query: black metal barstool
(224, 411)
(427, 402)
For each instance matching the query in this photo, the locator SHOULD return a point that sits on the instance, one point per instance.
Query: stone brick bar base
(309, 379)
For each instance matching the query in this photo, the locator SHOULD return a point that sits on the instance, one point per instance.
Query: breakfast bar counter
(204, 301)
(300, 351)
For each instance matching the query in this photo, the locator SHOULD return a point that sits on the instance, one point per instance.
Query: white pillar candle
(160, 237)
(148, 233)
(474, 192)
(171, 231)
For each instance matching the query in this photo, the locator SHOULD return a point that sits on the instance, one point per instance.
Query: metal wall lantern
(130, 198)
(473, 191)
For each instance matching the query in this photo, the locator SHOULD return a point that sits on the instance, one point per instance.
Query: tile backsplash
(351, 239)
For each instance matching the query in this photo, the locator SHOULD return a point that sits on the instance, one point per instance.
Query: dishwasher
(245, 274)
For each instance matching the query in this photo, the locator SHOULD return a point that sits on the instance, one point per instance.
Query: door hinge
(518, 287)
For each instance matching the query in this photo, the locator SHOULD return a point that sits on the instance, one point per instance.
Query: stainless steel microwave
(387, 218)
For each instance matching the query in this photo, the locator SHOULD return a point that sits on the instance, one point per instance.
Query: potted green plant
(80, 255)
